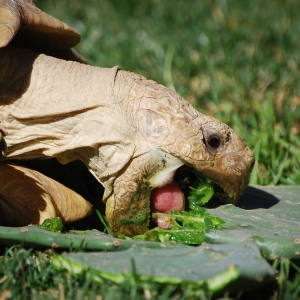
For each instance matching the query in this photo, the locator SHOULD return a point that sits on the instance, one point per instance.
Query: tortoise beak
(231, 172)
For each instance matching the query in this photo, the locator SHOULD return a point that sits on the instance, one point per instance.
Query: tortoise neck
(52, 106)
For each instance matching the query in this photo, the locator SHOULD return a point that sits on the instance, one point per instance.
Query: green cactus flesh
(53, 224)
(212, 267)
(188, 227)
(268, 216)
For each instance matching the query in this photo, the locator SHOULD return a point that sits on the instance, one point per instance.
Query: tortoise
(132, 133)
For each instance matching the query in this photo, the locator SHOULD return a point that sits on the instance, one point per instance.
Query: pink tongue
(164, 200)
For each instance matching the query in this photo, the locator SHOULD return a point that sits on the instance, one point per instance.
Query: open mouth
(172, 196)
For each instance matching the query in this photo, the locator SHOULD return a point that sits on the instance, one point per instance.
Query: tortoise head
(166, 132)
(211, 147)
(230, 160)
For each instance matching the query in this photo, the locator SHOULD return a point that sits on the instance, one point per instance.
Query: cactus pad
(214, 268)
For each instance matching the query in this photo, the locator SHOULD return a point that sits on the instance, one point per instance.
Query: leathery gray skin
(132, 133)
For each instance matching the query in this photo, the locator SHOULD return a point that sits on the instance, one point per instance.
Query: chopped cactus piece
(188, 227)
(54, 225)
(201, 191)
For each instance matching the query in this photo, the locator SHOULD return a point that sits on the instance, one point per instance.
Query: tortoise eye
(214, 141)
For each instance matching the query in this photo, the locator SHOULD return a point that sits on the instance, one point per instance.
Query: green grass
(235, 60)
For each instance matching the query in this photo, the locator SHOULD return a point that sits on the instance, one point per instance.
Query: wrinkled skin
(131, 133)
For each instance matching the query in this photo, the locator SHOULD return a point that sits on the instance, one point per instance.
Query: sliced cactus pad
(214, 268)
(268, 216)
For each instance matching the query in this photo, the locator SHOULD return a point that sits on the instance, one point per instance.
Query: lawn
(235, 60)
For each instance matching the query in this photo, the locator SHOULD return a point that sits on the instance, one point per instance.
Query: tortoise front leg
(128, 206)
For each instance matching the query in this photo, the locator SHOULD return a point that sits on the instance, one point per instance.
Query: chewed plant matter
(188, 226)
(53, 224)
